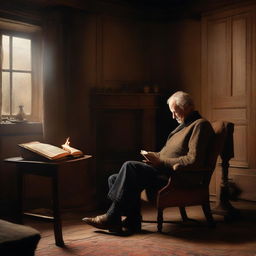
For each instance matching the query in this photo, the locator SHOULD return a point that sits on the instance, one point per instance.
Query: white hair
(181, 99)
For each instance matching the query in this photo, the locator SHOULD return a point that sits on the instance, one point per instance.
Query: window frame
(32, 32)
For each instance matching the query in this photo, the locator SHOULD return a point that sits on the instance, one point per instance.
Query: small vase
(21, 116)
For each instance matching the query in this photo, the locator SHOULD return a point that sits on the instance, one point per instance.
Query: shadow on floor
(241, 230)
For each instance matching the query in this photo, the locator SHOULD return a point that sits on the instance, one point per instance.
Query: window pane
(6, 51)
(21, 92)
(5, 93)
(21, 53)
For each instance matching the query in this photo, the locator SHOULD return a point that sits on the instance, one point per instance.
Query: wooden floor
(240, 234)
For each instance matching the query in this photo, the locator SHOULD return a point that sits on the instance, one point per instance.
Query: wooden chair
(196, 188)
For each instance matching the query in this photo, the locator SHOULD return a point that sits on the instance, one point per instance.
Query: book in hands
(36, 150)
(144, 153)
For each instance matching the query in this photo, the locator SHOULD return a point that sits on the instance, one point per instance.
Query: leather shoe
(104, 222)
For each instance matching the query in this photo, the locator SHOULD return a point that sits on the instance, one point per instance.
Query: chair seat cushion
(15, 238)
(149, 194)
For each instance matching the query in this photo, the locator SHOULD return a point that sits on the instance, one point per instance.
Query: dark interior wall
(83, 76)
(184, 57)
(122, 53)
(95, 50)
(108, 53)
(55, 75)
(117, 50)
(111, 53)
(159, 59)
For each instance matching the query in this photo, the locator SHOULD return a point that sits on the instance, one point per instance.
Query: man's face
(177, 113)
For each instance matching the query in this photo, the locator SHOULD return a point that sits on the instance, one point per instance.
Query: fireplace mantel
(122, 125)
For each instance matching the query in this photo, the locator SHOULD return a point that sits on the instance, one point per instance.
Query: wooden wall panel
(226, 76)
(228, 47)
(240, 147)
(228, 59)
(236, 115)
(218, 59)
(123, 54)
(239, 56)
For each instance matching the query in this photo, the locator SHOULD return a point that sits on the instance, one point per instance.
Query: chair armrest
(186, 178)
(179, 168)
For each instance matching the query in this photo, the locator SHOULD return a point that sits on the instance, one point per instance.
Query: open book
(34, 150)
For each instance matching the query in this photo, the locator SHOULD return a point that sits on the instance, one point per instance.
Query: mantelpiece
(122, 125)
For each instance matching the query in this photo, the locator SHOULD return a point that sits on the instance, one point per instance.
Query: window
(16, 75)
(20, 73)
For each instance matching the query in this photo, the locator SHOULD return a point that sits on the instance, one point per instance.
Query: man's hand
(153, 159)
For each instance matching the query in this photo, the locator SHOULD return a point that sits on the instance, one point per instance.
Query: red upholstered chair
(196, 190)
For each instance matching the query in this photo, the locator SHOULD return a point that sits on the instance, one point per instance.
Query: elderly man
(185, 146)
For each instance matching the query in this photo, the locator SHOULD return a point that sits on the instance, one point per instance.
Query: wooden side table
(46, 169)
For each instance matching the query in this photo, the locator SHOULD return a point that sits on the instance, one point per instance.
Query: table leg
(20, 191)
(56, 211)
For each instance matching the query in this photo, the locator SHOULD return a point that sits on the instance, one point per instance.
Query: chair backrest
(222, 143)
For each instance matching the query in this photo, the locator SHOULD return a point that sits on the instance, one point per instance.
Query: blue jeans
(126, 186)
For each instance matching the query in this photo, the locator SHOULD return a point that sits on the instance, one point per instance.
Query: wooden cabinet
(228, 67)
(123, 124)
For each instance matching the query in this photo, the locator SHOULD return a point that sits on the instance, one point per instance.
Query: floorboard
(240, 234)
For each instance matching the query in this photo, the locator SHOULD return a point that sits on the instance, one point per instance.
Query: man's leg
(111, 180)
(125, 189)
(132, 222)
(132, 178)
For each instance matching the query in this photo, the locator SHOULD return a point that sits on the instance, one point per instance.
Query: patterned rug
(129, 246)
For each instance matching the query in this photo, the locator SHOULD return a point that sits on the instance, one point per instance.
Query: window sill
(16, 129)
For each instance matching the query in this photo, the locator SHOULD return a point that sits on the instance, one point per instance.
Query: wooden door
(227, 56)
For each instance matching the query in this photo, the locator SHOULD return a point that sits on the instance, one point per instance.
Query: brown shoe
(103, 222)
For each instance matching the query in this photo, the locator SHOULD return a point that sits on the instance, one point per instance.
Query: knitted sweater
(187, 147)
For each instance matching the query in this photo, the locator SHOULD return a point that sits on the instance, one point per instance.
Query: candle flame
(67, 142)
(72, 151)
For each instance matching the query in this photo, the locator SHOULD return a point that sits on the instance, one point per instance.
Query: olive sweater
(187, 144)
